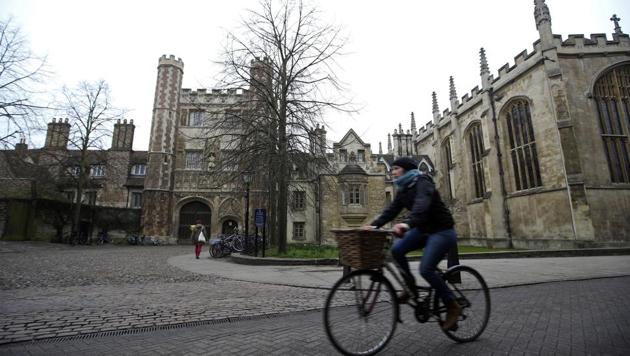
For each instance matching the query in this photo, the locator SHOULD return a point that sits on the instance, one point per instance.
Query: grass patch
(325, 251)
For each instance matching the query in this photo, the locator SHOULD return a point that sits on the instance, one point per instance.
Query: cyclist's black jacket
(428, 212)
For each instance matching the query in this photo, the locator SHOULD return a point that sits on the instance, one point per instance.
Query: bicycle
(362, 310)
(218, 248)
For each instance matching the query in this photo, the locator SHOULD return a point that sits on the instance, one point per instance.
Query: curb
(274, 261)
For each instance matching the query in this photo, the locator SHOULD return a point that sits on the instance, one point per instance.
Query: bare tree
(20, 70)
(90, 112)
(284, 61)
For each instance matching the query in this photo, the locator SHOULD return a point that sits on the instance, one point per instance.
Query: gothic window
(612, 96)
(299, 200)
(138, 169)
(298, 231)
(447, 157)
(522, 145)
(193, 159)
(476, 151)
(97, 170)
(196, 118)
(424, 168)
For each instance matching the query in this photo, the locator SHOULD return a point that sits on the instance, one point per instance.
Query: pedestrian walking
(199, 237)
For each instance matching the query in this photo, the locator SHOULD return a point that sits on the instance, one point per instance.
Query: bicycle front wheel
(361, 313)
(472, 294)
(237, 245)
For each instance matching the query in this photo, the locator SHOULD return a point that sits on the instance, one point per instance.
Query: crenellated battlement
(171, 60)
(599, 40)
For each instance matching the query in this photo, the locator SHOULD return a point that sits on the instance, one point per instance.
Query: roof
(352, 169)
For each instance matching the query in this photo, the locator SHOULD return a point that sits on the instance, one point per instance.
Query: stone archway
(189, 214)
(229, 226)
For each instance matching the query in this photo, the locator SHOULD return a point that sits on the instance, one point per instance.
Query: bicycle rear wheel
(472, 294)
(216, 251)
(361, 313)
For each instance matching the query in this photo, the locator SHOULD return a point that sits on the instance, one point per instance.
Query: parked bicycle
(224, 245)
(362, 310)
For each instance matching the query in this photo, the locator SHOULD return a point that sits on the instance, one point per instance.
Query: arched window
(612, 93)
(475, 139)
(447, 158)
(522, 145)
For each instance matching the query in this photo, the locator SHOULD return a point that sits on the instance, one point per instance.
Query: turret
(549, 50)
(543, 23)
(436, 109)
(158, 183)
(484, 70)
(413, 124)
(452, 94)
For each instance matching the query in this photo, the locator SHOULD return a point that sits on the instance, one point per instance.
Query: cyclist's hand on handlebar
(399, 229)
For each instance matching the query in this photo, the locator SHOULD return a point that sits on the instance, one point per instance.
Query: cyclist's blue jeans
(435, 246)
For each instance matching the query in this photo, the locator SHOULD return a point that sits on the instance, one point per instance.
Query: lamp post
(247, 178)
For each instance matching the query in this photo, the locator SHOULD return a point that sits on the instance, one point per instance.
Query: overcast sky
(398, 53)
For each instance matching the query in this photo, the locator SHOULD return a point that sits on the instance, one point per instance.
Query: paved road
(51, 292)
(560, 318)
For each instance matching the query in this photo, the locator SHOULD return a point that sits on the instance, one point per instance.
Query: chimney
(22, 146)
(122, 137)
(57, 134)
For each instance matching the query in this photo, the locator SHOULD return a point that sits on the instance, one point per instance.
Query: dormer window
(343, 155)
(361, 156)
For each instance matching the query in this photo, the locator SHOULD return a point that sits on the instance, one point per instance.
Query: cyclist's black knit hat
(406, 163)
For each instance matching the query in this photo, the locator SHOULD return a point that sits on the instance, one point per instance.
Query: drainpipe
(506, 209)
(319, 209)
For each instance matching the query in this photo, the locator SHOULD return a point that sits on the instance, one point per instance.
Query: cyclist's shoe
(403, 297)
(452, 314)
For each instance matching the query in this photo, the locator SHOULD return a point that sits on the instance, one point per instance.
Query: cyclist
(429, 225)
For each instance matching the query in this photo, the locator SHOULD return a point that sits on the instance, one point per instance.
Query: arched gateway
(189, 214)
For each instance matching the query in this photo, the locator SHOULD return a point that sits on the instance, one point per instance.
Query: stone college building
(536, 157)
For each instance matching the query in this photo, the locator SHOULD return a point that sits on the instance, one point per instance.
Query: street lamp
(247, 178)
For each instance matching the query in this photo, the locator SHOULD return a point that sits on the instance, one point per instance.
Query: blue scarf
(406, 178)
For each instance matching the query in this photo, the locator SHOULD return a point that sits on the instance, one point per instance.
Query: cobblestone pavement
(52, 290)
(560, 318)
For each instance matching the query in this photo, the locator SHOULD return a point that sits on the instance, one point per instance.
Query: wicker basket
(361, 249)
